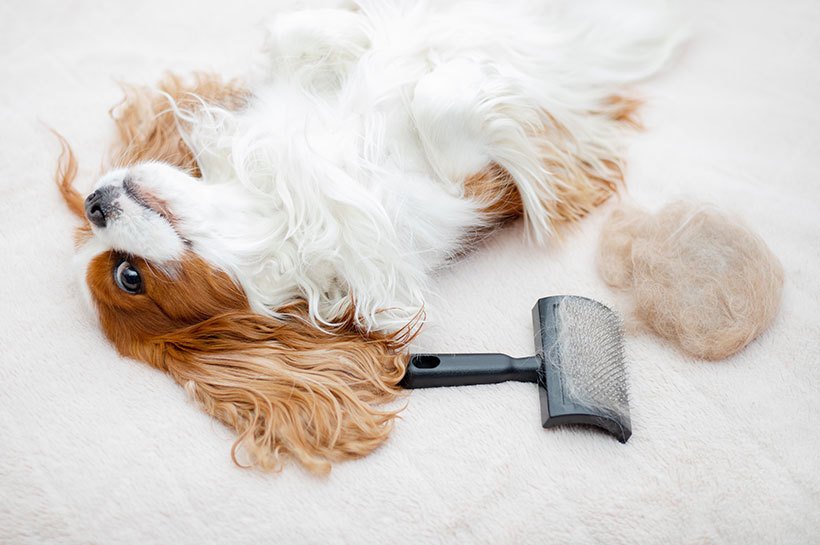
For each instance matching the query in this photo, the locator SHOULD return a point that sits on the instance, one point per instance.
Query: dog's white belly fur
(352, 155)
(371, 220)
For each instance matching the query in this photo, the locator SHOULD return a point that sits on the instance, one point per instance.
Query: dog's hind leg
(483, 132)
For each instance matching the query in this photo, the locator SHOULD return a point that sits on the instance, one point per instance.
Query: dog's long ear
(148, 130)
(64, 176)
(288, 388)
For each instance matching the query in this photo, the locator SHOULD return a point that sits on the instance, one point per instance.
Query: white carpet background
(98, 449)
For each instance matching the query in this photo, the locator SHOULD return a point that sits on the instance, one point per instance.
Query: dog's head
(144, 256)
(153, 260)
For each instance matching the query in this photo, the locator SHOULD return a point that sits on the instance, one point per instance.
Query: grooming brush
(579, 366)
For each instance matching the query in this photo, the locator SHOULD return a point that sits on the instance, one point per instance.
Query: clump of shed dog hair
(695, 276)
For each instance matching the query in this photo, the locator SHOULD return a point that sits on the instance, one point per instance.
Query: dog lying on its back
(269, 245)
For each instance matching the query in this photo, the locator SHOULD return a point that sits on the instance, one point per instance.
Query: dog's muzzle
(100, 205)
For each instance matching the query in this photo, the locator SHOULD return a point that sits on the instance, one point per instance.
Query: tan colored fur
(147, 128)
(495, 189)
(578, 186)
(286, 387)
(694, 275)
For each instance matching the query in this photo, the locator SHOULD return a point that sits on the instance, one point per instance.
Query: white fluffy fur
(342, 181)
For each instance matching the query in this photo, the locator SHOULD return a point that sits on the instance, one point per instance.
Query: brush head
(583, 378)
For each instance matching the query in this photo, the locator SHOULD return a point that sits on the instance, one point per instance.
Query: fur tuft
(148, 128)
(65, 175)
(287, 389)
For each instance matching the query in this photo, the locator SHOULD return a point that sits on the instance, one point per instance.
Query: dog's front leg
(315, 45)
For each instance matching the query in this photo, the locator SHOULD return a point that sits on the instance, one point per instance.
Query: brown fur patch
(192, 293)
(147, 128)
(579, 186)
(495, 189)
(624, 109)
(580, 189)
(288, 388)
(65, 174)
(582, 179)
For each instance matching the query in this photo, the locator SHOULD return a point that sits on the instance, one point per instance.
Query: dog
(269, 242)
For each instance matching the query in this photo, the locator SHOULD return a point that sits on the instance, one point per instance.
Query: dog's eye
(128, 278)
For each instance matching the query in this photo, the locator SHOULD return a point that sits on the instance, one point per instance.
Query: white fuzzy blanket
(98, 449)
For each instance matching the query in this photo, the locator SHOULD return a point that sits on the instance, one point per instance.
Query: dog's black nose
(94, 209)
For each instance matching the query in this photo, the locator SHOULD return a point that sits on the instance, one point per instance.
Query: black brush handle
(432, 370)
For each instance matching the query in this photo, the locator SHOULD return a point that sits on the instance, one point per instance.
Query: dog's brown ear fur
(290, 390)
(65, 174)
(148, 130)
